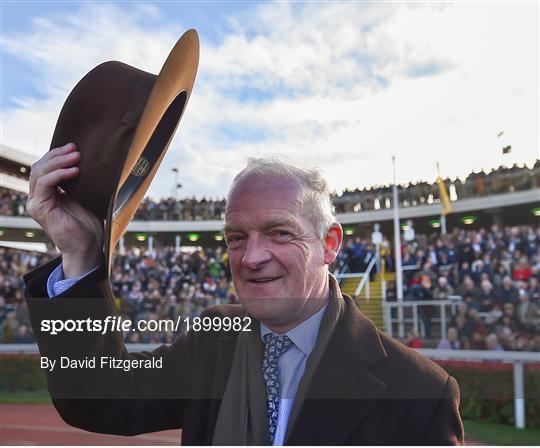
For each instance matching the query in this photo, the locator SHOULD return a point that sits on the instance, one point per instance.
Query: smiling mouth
(264, 280)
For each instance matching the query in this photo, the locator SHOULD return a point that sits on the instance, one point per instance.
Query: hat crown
(99, 116)
(122, 120)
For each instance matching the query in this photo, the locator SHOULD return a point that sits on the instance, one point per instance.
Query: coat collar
(342, 390)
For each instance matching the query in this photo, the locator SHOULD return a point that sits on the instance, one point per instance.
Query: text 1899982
(217, 323)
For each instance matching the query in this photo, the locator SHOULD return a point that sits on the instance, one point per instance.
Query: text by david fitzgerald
(103, 362)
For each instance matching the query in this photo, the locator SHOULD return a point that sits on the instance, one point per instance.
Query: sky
(340, 86)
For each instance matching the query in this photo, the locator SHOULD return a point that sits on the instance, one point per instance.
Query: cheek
(302, 251)
(306, 260)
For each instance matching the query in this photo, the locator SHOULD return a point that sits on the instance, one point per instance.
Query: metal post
(376, 238)
(368, 293)
(443, 224)
(519, 395)
(378, 258)
(415, 318)
(150, 244)
(177, 244)
(397, 253)
(388, 319)
(443, 320)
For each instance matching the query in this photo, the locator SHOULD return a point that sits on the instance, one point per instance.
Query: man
(312, 370)
(451, 342)
(508, 293)
(528, 314)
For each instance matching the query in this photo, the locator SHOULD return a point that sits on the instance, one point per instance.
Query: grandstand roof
(513, 208)
(15, 155)
(14, 183)
(25, 245)
(15, 168)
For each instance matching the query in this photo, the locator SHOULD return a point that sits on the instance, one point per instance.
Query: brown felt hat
(122, 120)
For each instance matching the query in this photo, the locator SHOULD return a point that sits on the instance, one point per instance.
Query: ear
(333, 240)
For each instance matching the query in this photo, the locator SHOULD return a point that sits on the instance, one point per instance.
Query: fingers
(56, 158)
(57, 151)
(45, 189)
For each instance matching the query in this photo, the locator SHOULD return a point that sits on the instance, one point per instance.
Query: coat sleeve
(112, 401)
(446, 427)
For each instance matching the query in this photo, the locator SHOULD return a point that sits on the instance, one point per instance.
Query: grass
(25, 397)
(495, 434)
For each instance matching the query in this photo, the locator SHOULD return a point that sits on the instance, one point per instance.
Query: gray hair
(314, 198)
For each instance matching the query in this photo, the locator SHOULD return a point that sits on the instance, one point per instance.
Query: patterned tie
(274, 347)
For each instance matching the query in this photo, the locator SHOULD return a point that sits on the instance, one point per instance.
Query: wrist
(76, 265)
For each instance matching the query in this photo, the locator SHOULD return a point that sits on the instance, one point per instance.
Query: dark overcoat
(368, 389)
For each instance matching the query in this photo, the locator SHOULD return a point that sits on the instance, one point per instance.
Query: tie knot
(276, 344)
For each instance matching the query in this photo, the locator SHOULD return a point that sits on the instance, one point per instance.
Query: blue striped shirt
(291, 366)
(57, 284)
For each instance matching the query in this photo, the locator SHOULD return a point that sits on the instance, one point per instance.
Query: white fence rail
(32, 349)
(515, 358)
(414, 305)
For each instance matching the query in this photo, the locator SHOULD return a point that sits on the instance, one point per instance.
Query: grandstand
(15, 169)
(475, 287)
(486, 208)
(511, 201)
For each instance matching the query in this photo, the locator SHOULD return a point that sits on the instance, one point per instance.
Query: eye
(233, 240)
(281, 234)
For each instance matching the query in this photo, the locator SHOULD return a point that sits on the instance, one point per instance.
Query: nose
(256, 254)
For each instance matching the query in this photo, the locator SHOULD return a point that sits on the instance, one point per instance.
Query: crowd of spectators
(182, 210)
(12, 203)
(169, 285)
(14, 321)
(146, 286)
(500, 180)
(495, 271)
(496, 181)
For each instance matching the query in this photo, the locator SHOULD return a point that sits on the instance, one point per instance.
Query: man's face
(277, 260)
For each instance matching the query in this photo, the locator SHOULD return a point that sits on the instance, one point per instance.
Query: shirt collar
(304, 335)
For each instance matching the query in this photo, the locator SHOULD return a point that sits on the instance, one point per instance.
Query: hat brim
(164, 109)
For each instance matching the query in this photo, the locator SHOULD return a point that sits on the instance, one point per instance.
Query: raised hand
(75, 231)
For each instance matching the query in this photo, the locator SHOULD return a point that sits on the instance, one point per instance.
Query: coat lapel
(225, 355)
(342, 390)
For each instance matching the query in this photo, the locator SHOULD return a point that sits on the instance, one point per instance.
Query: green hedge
(487, 391)
(21, 373)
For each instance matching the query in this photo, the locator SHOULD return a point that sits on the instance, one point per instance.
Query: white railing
(515, 358)
(410, 267)
(452, 301)
(364, 279)
(358, 275)
(32, 349)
